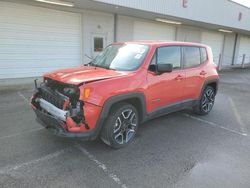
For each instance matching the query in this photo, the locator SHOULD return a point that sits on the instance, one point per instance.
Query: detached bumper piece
(60, 114)
(58, 127)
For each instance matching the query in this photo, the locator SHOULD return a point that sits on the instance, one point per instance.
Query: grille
(48, 95)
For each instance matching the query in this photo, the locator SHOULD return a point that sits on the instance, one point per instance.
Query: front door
(167, 88)
(99, 42)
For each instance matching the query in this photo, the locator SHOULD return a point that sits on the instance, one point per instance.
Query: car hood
(83, 74)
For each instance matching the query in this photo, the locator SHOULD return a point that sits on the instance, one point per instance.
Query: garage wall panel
(125, 28)
(244, 48)
(188, 34)
(215, 41)
(96, 23)
(228, 50)
(153, 31)
(36, 40)
(197, 10)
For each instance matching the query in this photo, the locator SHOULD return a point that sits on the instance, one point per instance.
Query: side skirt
(171, 108)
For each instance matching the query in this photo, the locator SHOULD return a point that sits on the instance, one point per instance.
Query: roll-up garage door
(35, 40)
(215, 41)
(153, 31)
(244, 48)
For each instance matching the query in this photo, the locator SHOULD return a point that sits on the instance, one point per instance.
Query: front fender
(126, 97)
(114, 100)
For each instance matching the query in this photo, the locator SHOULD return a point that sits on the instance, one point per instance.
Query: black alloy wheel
(206, 101)
(121, 125)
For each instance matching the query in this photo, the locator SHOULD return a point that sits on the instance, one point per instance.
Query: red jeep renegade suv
(128, 83)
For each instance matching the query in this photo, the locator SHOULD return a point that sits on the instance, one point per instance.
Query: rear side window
(169, 55)
(192, 56)
(203, 52)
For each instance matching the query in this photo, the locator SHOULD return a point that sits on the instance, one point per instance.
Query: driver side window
(167, 55)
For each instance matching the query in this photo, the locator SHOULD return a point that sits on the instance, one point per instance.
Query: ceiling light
(225, 31)
(57, 2)
(167, 21)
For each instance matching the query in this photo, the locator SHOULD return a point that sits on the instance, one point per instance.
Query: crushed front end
(58, 108)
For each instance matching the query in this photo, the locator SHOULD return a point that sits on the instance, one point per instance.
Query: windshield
(121, 57)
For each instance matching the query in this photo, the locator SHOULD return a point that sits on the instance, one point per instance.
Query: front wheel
(121, 125)
(206, 101)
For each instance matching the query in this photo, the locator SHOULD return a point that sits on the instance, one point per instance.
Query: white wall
(243, 47)
(125, 28)
(96, 23)
(188, 34)
(145, 30)
(218, 12)
(130, 28)
(228, 51)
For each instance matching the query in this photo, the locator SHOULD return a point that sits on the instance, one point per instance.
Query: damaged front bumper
(58, 127)
(58, 114)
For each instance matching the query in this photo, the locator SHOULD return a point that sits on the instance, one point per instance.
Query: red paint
(83, 74)
(92, 113)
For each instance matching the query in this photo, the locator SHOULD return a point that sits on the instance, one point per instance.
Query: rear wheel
(121, 125)
(206, 101)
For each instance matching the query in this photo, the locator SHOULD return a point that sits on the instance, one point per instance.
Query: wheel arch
(213, 83)
(110, 102)
(137, 99)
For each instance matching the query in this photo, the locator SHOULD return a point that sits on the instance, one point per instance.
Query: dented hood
(83, 74)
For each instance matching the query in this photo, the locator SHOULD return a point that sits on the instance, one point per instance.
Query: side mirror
(162, 68)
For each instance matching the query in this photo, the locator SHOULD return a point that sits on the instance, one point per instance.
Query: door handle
(179, 77)
(203, 73)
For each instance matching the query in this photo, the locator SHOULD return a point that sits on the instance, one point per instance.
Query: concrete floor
(177, 150)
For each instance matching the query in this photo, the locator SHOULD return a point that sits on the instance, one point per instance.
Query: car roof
(161, 43)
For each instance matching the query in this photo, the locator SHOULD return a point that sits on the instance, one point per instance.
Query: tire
(121, 125)
(206, 101)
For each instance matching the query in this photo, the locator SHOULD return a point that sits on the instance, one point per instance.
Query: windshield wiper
(96, 65)
(93, 64)
(89, 63)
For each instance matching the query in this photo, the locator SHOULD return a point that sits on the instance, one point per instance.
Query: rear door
(167, 88)
(195, 59)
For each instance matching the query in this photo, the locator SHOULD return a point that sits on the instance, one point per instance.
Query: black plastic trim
(207, 82)
(172, 108)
